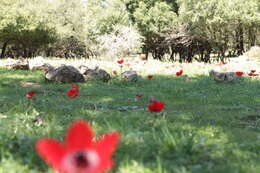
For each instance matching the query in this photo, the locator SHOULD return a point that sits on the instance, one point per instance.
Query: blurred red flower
(73, 91)
(253, 71)
(120, 61)
(179, 73)
(239, 73)
(79, 153)
(149, 76)
(156, 106)
(30, 94)
(253, 74)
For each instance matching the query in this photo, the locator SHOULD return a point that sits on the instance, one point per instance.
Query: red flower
(79, 153)
(120, 61)
(149, 76)
(239, 73)
(253, 71)
(30, 94)
(73, 91)
(114, 72)
(156, 106)
(179, 73)
(252, 74)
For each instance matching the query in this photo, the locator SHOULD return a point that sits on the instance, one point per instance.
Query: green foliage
(226, 23)
(21, 27)
(156, 19)
(228, 27)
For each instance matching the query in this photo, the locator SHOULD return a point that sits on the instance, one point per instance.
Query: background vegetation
(162, 28)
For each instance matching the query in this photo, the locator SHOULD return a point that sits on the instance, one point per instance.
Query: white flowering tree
(121, 42)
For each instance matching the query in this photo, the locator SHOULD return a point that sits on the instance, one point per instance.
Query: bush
(119, 43)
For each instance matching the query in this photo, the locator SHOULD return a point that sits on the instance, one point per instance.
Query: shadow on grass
(200, 129)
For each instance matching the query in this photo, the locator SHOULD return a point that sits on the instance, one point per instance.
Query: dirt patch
(30, 84)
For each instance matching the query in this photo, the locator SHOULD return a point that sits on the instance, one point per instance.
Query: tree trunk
(3, 50)
(240, 41)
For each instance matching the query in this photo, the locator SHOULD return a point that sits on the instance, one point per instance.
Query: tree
(23, 28)
(224, 23)
(152, 22)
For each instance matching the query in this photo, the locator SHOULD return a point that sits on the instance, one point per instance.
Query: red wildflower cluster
(30, 94)
(252, 73)
(73, 91)
(79, 153)
(156, 106)
(179, 73)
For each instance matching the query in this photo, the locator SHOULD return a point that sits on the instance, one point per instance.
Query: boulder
(223, 76)
(64, 74)
(130, 76)
(94, 74)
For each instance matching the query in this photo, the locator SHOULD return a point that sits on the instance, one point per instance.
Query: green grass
(200, 130)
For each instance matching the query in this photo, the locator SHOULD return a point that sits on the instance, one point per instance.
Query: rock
(94, 74)
(130, 76)
(38, 63)
(18, 65)
(223, 76)
(64, 74)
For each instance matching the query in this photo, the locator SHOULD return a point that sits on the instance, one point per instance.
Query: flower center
(81, 160)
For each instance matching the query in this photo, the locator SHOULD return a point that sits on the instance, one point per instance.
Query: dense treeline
(186, 29)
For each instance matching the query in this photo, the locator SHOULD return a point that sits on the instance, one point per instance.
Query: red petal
(79, 136)
(156, 106)
(51, 151)
(73, 93)
(106, 146)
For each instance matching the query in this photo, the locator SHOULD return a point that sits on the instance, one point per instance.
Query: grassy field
(206, 127)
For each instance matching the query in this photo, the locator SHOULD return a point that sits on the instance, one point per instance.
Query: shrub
(119, 43)
(253, 53)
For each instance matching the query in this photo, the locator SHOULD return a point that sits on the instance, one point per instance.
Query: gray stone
(130, 76)
(94, 74)
(64, 74)
(223, 76)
